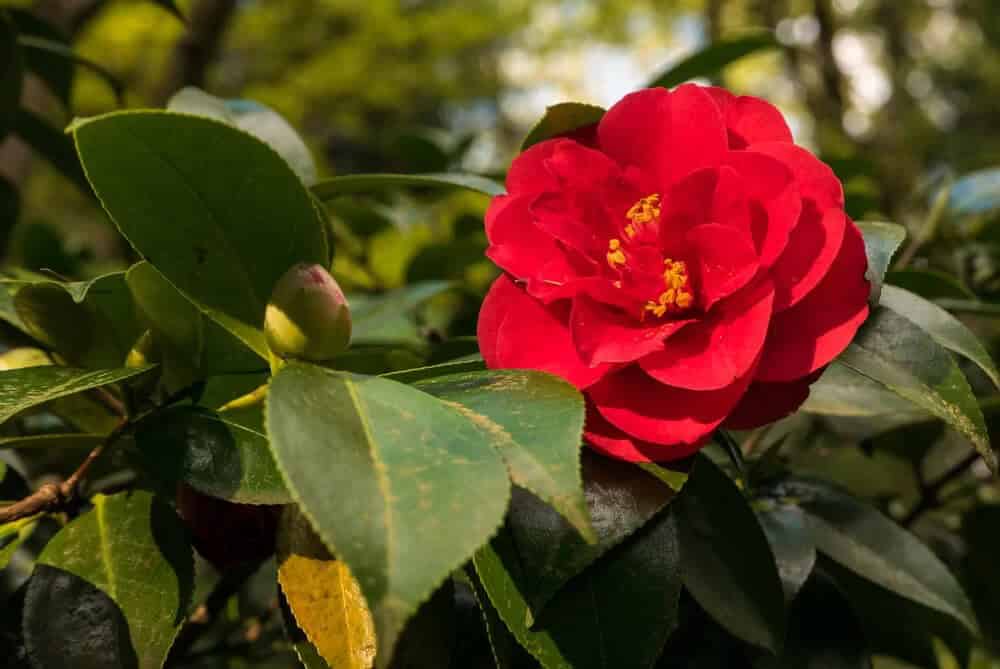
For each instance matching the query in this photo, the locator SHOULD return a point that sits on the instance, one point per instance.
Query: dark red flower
(687, 266)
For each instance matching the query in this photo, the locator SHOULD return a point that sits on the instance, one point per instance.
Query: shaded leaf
(213, 453)
(460, 366)
(791, 541)
(37, 45)
(13, 534)
(22, 389)
(943, 328)
(930, 284)
(51, 441)
(51, 144)
(881, 242)
(323, 596)
(621, 498)
(841, 391)
(425, 484)
(389, 318)
(617, 613)
(726, 562)
(535, 420)
(892, 351)
(112, 588)
(713, 58)
(259, 120)
(863, 540)
(170, 6)
(352, 184)
(976, 192)
(562, 119)
(204, 203)
(54, 70)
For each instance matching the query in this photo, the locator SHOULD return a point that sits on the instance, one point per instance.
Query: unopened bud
(307, 316)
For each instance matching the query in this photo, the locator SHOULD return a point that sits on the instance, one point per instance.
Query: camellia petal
(765, 403)
(516, 244)
(534, 336)
(817, 329)
(816, 181)
(812, 248)
(697, 134)
(607, 439)
(775, 201)
(636, 130)
(749, 120)
(604, 334)
(723, 261)
(714, 353)
(644, 408)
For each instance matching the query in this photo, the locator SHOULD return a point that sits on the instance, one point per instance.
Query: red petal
(636, 130)
(516, 244)
(714, 353)
(697, 134)
(815, 179)
(750, 120)
(648, 410)
(605, 438)
(812, 248)
(491, 315)
(603, 334)
(775, 202)
(817, 329)
(531, 335)
(722, 261)
(529, 174)
(765, 403)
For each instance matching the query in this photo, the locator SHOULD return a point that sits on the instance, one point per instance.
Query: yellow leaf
(324, 597)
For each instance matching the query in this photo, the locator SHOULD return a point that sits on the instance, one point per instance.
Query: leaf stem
(930, 493)
(731, 446)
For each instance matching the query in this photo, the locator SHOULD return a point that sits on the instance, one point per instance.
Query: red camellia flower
(683, 263)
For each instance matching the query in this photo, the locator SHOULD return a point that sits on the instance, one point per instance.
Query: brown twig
(930, 493)
(54, 496)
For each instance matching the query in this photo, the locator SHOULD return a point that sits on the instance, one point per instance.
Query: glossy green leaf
(791, 541)
(53, 48)
(841, 391)
(11, 74)
(617, 613)
(535, 421)
(562, 119)
(726, 561)
(892, 351)
(204, 203)
(824, 632)
(213, 453)
(89, 323)
(260, 121)
(353, 184)
(881, 242)
(713, 58)
(929, 284)
(52, 144)
(178, 324)
(460, 366)
(56, 71)
(22, 389)
(426, 488)
(943, 328)
(46, 442)
(621, 498)
(863, 540)
(112, 588)
(389, 318)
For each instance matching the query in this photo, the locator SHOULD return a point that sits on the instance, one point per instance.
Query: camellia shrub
(274, 472)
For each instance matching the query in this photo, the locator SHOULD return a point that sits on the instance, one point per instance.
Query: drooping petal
(750, 120)
(817, 329)
(712, 354)
(774, 200)
(812, 247)
(647, 410)
(604, 334)
(531, 335)
(605, 438)
(722, 260)
(765, 403)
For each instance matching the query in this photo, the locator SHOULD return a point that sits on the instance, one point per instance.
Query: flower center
(642, 277)
(678, 295)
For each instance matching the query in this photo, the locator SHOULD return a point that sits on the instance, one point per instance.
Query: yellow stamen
(678, 294)
(644, 211)
(615, 255)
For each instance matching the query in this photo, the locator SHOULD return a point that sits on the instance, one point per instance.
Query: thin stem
(732, 447)
(930, 494)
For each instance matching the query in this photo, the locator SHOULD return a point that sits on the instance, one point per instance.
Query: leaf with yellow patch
(324, 597)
